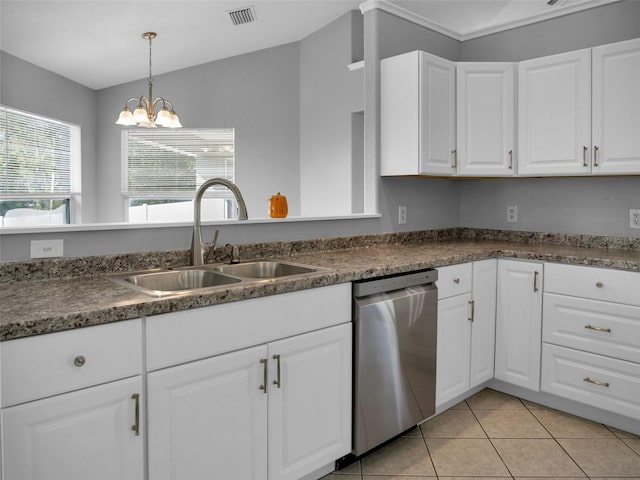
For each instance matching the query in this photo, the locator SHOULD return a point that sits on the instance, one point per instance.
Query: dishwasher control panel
(390, 283)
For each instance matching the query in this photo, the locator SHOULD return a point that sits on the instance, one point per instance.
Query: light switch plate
(47, 248)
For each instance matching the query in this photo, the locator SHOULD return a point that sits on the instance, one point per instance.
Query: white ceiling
(98, 42)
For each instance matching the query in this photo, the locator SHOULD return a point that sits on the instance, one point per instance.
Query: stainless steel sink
(263, 269)
(170, 282)
(186, 280)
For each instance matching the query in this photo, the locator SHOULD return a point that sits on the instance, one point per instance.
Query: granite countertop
(32, 307)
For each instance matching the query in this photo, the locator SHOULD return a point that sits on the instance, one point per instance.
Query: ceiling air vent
(241, 16)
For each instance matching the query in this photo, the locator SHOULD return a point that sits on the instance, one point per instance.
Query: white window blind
(174, 163)
(38, 156)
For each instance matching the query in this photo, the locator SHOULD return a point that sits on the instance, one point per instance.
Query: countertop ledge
(42, 306)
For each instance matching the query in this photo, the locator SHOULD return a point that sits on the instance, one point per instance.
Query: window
(39, 169)
(162, 169)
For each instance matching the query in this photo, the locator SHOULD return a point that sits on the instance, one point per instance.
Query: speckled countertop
(44, 305)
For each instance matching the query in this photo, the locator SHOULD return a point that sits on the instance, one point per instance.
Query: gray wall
(606, 24)
(254, 93)
(30, 88)
(573, 205)
(591, 205)
(329, 93)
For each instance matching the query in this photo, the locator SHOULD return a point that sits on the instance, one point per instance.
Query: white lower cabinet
(596, 380)
(483, 330)
(466, 327)
(209, 416)
(278, 411)
(591, 335)
(454, 347)
(87, 434)
(309, 401)
(519, 323)
(73, 404)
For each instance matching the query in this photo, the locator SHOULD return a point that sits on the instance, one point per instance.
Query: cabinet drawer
(596, 283)
(454, 280)
(572, 374)
(179, 337)
(37, 367)
(604, 328)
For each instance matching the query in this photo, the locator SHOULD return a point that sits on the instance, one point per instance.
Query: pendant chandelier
(144, 114)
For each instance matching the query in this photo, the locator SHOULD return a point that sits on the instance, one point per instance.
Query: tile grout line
(490, 441)
(428, 452)
(530, 410)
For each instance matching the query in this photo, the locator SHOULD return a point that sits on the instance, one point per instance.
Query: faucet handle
(235, 254)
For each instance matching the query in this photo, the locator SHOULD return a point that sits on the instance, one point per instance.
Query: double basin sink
(186, 280)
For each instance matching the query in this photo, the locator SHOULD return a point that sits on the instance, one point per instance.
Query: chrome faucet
(197, 245)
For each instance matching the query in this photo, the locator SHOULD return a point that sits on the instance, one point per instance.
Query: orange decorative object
(278, 206)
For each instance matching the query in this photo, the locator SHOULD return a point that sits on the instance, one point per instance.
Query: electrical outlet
(47, 248)
(634, 218)
(512, 214)
(402, 215)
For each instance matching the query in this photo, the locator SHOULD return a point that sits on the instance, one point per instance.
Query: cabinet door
(454, 347)
(86, 434)
(616, 108)
(554, 114)
(209, 418)
(519, 323)
(485, 118)
(437, 115)
(483, 328)
(309, 402)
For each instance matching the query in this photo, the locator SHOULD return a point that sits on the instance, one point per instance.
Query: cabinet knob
(79, 361)
(599, 284)
(456, 280)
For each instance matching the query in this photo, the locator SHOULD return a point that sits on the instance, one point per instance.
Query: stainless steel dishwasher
(395, 321)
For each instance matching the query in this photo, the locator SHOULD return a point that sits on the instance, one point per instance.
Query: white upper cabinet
(616, 108)
(417, 115)
(485, 118)
(579, 112)
(554, 114)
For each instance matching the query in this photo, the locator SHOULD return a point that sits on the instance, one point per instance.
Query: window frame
(72, 197)
(184, 195)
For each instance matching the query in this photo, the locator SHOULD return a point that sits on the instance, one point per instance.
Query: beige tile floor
(496, 436)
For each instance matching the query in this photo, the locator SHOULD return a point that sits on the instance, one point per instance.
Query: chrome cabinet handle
(595, 156)
(455, 157)
(136, 426)
(79, 361)
(598, 329)
(456, 281)
(277, 359)
(596, 382)
(535, 281)
(599, 284)
(510, 159)
(473, 310)
(584, 156)
(263, 387)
